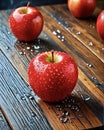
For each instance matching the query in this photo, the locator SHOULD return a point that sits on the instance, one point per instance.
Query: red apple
(100, 24)
(26, 23)
(81, 8)
(52, 75)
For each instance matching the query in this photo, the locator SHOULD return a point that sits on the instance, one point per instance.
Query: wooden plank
(88, 90)
(51, 115)
(3, 122)
(17, 100)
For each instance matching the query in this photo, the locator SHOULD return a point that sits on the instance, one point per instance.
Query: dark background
(10, 4)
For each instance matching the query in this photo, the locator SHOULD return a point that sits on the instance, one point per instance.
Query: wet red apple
(52, 75)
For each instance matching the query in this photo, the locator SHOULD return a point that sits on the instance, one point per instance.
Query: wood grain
(3, 123)
(17, 100)
(84, 108)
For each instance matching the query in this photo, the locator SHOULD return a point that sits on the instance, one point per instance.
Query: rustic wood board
(17, 101)
(84, 108)
(3, 123)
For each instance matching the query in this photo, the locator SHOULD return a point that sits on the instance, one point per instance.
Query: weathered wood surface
(84, 108)
(17, 101)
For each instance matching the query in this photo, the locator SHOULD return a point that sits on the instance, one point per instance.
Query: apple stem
(52, 56)
(28, 4)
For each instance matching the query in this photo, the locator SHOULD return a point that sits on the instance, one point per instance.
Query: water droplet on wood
(59, 22)
(36, 47)
(23, 98)
(92, 26)
(24, 53)
(28, 48)
(31, 50)
(59, 107)
(91, 43)
(31, 97)
(59, 36)
(62, 40)
(63, 119)
(7, 48)
(9, 32)
(76, 108)
(93, 77)
(80, 116)
(70, 120)
(33, 114)
(87, 98)
(20, 52)
(65, 113)
(54, 33)
(102, 49)
(72, 107)
(89, 65)
(78, 33)
(69, 105)
(58, 31)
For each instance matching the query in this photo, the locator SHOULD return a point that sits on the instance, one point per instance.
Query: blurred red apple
(81, 8)
(100, 24)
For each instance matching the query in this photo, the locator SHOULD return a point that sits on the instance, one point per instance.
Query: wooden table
(20, 108)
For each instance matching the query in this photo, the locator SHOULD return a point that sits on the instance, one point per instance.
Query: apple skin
(26, 23)
(52, 81)
(100, 24)
(81, 8)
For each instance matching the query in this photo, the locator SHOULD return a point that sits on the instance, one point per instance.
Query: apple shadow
(42, 44)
